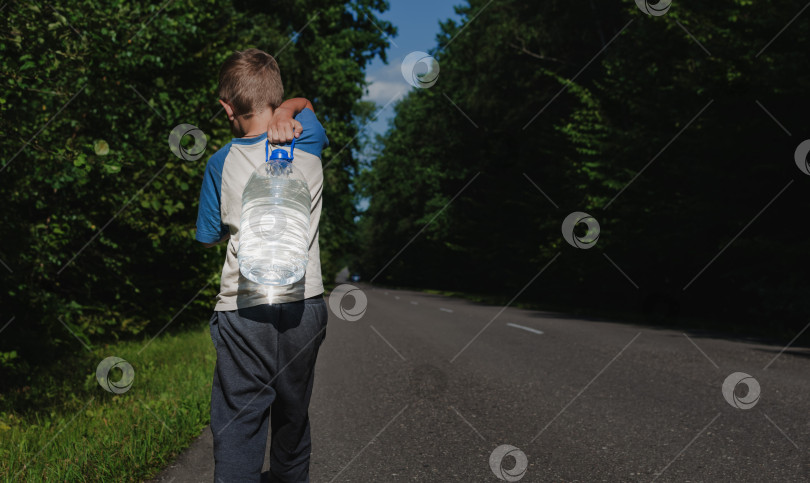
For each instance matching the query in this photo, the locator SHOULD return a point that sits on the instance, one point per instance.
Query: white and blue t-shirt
(220, 211)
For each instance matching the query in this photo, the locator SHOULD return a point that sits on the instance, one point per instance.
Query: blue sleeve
(313, 138)
(210, 228)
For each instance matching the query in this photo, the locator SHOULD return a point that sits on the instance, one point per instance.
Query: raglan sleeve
(313, 138)
(210, 228)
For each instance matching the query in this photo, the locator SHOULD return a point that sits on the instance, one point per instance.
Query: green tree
(99, 216)
(587, 102)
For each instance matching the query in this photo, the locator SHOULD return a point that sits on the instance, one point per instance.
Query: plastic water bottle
(274, 227)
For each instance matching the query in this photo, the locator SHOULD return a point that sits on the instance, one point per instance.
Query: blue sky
(417, 22)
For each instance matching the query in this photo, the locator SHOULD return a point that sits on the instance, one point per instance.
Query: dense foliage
(663, 138)
(99, 215)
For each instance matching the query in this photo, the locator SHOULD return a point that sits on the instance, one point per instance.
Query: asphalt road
(425, 388)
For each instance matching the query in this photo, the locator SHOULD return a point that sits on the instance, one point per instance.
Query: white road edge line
(510, 324)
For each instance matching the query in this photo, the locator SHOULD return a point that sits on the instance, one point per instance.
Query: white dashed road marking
(535, 331)
(445, 310)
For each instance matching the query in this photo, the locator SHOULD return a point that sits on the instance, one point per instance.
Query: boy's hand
(283, 127)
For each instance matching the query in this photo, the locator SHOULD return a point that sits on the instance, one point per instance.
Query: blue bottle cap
(279, 154)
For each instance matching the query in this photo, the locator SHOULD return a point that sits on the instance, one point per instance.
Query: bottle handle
(279, 154)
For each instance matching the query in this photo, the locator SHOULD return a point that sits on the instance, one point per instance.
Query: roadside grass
(69, 428)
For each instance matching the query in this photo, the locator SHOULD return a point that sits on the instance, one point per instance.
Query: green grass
(85, 433)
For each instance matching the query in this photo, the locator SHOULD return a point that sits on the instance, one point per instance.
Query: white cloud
(386, 83)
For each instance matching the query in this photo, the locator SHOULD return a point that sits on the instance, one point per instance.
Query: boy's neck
(256, 125)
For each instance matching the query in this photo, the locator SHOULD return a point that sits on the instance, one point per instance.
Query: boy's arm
(283, 127)
(210, 229)
(210, 245)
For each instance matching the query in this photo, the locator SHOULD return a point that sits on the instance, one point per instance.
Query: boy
(266, 337)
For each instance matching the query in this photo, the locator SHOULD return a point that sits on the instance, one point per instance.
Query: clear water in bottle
(274, 227)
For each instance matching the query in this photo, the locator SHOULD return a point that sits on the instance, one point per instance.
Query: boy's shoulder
(313, 137)
(217, 160)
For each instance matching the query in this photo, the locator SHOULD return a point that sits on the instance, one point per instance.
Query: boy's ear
(228, 109)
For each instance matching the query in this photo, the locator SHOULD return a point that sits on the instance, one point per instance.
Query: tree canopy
(99, 216)
(674, 132)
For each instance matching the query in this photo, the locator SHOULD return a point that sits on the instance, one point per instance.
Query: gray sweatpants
(264, 372)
